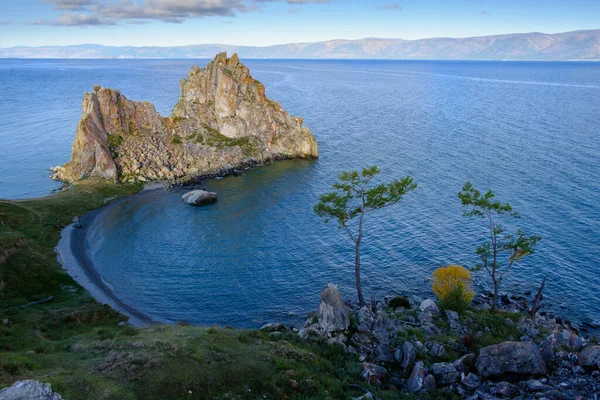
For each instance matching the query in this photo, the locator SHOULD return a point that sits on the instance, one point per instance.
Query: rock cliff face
(222, 120)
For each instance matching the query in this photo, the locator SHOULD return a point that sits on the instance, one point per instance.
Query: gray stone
(373, 373)
(436, 349)
(398, 354)
(274, 327)
(590, 357)
(511, 358)
(471, 381)
(366, 396)
(505, 389)
(383, 353)
(429, 383)
(429, 306)
(415, 382)
(409, 354)
(534, 385)
(333, 314)
(445, 373)
(29, 390)
(199, 197)
(465, 363)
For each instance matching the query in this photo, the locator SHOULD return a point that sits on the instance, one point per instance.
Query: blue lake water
(529, 131)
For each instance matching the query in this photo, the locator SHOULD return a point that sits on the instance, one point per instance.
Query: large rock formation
(222, 120)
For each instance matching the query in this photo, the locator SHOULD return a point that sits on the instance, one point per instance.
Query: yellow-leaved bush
(452, 286)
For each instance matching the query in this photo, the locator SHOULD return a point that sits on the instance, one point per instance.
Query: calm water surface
(529, 131)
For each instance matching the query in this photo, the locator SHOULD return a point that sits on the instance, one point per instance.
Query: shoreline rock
(400, 348)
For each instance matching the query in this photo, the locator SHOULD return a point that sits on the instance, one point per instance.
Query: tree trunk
(495, 298)
(361, 300)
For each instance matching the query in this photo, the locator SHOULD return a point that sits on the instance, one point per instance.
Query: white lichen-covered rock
(199, 197)
(333, 314)
(29, 390)
(429, 306)
(223, 119)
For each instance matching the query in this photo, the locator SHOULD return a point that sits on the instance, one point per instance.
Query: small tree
(502, 251)
(354, 197)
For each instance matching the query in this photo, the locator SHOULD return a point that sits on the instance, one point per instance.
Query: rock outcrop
(30, 390)
(333, 314)
(522, 358)
(222, 120)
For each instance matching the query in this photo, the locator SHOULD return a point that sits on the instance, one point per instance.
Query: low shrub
(399, 301)
(452, 286)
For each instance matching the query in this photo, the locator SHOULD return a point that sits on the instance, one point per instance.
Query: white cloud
(91, 12)
(68, 4)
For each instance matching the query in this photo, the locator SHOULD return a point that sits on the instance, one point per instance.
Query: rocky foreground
(223, 120)
(420, 349)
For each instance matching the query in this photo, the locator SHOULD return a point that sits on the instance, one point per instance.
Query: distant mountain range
(576, 45)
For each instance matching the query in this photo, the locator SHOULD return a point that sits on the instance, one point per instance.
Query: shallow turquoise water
(527, 130)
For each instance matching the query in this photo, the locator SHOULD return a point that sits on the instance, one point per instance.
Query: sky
(269, 22)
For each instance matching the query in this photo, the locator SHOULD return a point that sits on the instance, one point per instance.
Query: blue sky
(266, 22)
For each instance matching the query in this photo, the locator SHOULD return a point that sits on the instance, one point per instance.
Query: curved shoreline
(72, 254)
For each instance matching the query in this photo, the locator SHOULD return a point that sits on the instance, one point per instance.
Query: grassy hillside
(85, 351)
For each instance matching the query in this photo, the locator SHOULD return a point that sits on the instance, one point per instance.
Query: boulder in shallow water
(30, 390)
(333, 314)
(199, 197)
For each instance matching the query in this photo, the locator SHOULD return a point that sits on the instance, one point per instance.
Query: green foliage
(114, 142)
(214, 138)
(495, 327)
(399, 301)
(456, 299)
(354, 196)
(502, 251)
(176, 139)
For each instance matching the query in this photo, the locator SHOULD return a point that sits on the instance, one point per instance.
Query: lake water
(529, 131)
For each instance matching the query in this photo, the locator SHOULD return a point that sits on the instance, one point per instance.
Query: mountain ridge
(573, 45)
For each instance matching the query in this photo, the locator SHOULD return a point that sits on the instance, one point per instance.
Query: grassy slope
(79, 347)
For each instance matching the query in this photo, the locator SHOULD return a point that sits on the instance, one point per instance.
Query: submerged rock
(30, 390)
(199, 197)
(333, 314)
(222, 120)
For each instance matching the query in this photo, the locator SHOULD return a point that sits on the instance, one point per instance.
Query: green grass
(214, 138)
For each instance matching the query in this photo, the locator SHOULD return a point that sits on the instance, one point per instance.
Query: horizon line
(309, 42)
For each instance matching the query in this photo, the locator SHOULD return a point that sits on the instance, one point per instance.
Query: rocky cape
(223, 120)
(421, 349)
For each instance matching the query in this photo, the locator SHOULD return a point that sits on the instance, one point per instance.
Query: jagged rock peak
(223, 119)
